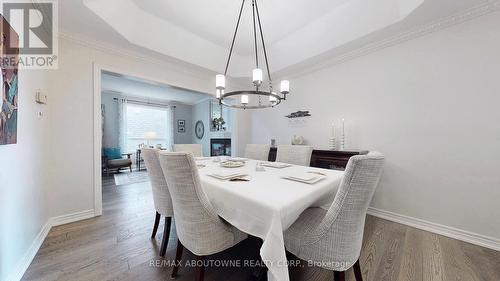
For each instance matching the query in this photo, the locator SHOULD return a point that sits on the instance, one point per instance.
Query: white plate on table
(308, 178)
(225, 175)
(232, 164)
(275, 165)
(239, 159)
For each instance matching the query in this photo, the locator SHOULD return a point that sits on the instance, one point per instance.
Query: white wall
(23, 179)
(431, 105)
(241, 131)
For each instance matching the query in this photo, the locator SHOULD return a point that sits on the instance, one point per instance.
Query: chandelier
(251, 99)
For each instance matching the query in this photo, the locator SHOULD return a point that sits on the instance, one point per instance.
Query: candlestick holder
(331, 144)
(342, 142)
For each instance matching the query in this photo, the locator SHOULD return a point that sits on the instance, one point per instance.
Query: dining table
(267, 203)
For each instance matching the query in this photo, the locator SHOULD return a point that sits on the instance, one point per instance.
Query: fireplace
(220, 147)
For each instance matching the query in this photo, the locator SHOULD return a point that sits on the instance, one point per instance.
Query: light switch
(40, 97)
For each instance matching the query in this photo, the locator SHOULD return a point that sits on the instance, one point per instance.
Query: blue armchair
(113, 158)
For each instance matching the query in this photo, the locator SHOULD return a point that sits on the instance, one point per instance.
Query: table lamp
(150, 136)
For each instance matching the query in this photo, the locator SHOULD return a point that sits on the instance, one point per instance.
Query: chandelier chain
(255, 35)
(234, 37)
(263, 44)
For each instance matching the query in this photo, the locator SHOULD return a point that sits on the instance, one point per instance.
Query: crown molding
(181, 66)
(482, 9)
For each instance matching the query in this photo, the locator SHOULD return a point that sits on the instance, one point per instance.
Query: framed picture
(181, 126)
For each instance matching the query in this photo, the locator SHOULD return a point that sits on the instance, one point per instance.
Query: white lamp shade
(150, 135)
(220, 81)
(244, 99)
(257, 76)
(285, 86)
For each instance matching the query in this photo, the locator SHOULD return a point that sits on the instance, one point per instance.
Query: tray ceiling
(296, 31)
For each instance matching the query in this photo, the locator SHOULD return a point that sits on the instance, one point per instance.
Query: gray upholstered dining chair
(294, 154)
(194, 148)
(332, 238)
(198, 226)
(161, 195)
(257, 151)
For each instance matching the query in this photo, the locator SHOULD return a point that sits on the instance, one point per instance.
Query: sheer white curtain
(171, 121)
(122, 124)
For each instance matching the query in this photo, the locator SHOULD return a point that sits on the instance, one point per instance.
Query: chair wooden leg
(155, 227)
(166, 236)
(130, 168)
(357, 271)
(339, 275)
(178, 258)
(200, 268)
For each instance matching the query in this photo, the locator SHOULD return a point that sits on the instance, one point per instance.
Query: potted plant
(218, 123)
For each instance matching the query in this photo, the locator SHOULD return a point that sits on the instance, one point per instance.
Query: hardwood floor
(117, 246)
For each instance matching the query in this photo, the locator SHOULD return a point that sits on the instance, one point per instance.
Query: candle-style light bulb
(257, 76)
(244, 99)
(220, 81)
(285, 87)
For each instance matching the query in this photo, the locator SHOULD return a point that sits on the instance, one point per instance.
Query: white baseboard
(25, 262)
(455, 233)
(30, 254)
(78, 216)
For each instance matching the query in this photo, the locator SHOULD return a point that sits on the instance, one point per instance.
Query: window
(149, 125)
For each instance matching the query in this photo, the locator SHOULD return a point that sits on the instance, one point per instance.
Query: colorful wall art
(9, 54)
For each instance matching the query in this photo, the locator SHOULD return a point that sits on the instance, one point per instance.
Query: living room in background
(155, 108)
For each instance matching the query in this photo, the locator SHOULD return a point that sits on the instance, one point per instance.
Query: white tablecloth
(267, 204)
